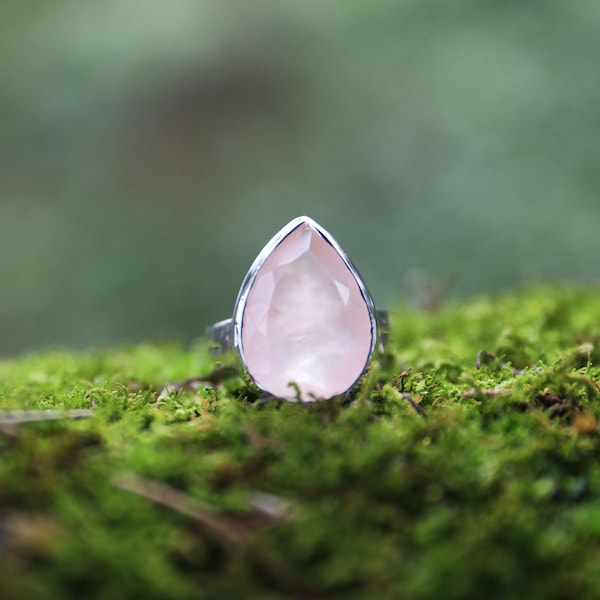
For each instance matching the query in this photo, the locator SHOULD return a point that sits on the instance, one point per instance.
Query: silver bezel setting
(231, 334)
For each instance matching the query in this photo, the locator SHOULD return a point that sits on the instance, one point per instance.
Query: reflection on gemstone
(305, 319)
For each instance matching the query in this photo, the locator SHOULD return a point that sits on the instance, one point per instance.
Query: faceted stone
(305, 320)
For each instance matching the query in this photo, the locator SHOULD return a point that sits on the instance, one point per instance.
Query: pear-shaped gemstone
(307, 325)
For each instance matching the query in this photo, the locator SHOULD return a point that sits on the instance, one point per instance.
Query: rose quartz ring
(304, 326)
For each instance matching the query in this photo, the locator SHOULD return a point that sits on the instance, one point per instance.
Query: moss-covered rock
(468, 465)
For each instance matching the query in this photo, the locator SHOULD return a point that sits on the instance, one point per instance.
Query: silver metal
(222, 333)
(227, 334)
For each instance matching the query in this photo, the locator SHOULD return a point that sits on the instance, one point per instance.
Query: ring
(304, 326)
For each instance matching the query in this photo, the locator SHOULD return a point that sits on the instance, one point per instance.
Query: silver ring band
(222, 333)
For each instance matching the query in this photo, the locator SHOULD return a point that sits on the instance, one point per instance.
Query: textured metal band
(222, 333)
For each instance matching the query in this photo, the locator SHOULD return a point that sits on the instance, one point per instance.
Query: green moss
(494, 492)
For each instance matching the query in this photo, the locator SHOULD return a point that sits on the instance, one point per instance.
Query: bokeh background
(149, 149)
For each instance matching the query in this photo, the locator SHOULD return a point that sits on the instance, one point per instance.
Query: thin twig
(270, 506)
(192, 384)
(408, 398)
(488, 393)
(222, 529)
(420, 410)
(18, 417)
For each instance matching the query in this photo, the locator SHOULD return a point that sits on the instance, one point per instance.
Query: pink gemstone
(305, 318)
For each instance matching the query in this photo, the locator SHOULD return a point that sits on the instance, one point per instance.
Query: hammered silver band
(221, 333)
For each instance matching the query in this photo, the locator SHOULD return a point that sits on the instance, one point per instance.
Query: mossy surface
(494, 492)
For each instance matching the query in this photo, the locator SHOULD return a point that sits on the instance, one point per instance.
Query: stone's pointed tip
(304, 220)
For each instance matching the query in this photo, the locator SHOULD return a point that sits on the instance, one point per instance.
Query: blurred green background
(148, 150)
